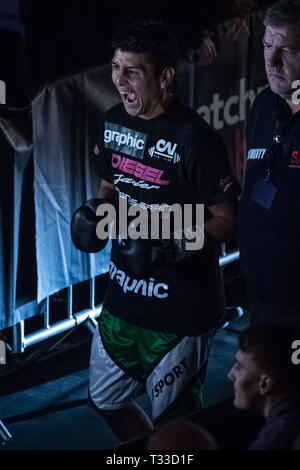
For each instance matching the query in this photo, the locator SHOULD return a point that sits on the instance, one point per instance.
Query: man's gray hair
(282, 13)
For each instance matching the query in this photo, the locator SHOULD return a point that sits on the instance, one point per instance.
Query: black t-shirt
(270, 238)
(173, 158)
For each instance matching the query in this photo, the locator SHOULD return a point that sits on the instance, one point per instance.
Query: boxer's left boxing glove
(141, 258)
(138, 258)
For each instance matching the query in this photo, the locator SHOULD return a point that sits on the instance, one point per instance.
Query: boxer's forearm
(221, 226)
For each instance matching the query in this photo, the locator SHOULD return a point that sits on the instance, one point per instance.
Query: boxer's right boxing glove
(83, 226)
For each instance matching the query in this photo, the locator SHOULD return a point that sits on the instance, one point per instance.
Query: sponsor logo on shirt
(132, 202)
(120, 178)
(226, 183)
(144, 172)
(295, 159)
(125, 140)
(144, 287)
(166, 150)
(170, 378)
(256, 154)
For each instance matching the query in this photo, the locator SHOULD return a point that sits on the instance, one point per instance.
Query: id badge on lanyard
(264, 191)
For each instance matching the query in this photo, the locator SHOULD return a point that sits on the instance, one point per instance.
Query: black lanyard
(283, 117)
(274, 148)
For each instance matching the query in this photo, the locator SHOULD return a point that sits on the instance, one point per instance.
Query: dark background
(41, 41)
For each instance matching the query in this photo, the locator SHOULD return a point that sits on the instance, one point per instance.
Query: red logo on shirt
(226, 182)
(147, 173)
(295, 159)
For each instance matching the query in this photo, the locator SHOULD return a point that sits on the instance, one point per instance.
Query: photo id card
(263, 193)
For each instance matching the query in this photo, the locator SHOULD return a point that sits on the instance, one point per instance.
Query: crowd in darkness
(50, 40)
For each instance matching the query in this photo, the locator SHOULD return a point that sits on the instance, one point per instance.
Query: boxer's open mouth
(129, 97)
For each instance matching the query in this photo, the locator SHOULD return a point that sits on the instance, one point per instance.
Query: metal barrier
(89, 315)
(5, 435)
(229, 258)
(22, 341)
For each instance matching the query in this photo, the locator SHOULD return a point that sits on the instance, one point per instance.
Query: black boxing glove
(84, 226)
(180, 246)
(138, 258)
(141, 258)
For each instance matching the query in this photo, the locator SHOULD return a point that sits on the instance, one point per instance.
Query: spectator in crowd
(266, 379)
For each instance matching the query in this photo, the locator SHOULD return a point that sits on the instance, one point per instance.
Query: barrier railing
(21, 341)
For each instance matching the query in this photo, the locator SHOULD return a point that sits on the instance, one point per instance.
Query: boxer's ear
(166, 77)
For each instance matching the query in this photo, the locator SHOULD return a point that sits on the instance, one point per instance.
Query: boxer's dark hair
(270, 346)
(152, 38)
(284, 13)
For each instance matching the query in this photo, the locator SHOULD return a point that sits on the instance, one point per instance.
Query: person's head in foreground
(143, 68)
(264, 372)
(282, 47)
(181, 435)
